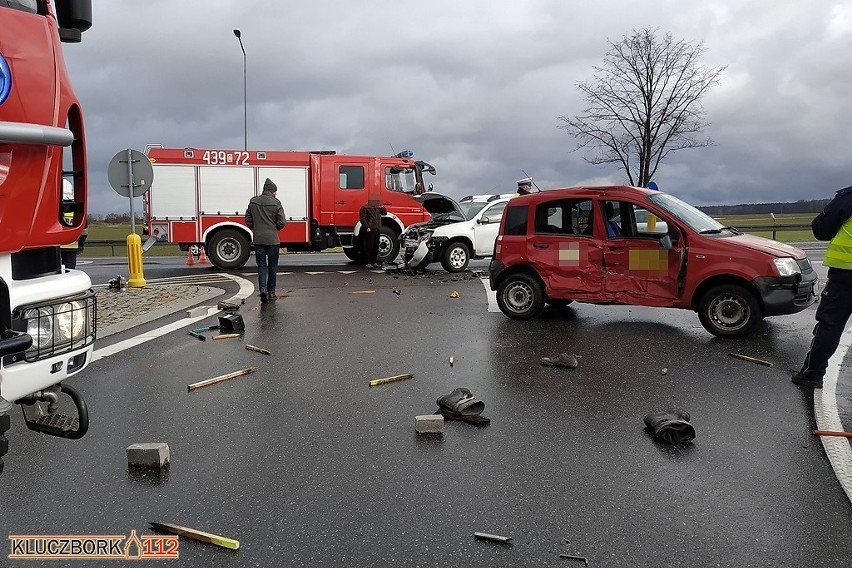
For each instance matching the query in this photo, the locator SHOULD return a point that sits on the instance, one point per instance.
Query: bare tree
(644, 104)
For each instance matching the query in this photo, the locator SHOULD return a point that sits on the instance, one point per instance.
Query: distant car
(635, 246)
(457, 232)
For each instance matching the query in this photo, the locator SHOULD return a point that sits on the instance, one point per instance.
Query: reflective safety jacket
(834, 224)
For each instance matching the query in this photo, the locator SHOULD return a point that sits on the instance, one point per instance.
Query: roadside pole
(124, 169)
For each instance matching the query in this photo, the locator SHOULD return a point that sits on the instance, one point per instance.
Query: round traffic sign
(133, 180)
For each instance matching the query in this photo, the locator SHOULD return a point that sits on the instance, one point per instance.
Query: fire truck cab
(199, 197)
(47, 313)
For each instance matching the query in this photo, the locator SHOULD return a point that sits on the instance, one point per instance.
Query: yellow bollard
(134, 261)
(652, 223)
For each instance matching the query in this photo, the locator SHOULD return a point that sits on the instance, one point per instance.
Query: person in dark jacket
(371, 223)
(265, 217)
(834, 224)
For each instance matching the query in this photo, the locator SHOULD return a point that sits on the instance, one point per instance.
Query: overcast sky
(473, 87)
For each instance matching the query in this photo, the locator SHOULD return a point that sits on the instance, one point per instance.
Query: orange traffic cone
(202, 259)
(190, 258)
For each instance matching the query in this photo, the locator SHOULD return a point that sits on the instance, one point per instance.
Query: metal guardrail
(772, 228)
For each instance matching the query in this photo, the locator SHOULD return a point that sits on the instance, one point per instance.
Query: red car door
(637, 268)
(564, 252)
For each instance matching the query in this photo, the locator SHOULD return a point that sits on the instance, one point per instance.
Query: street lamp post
(245, 99)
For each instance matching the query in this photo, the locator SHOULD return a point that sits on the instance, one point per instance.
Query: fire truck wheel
(388, 245)
(354, 254)
(229, 249)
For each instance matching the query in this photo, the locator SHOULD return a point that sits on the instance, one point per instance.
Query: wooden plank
(751, 359)
(392, 379)
(216, 539)
(226, 336)
(220, 378)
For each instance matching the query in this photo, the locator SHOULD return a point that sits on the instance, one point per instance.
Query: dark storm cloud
(475, 88)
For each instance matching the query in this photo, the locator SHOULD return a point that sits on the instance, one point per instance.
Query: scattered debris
(429, 424)
(664, 371)
(670, 426)
(572, 557)
(148, 455)
(397, 292)
(475, 419)
(197, 335)
(258, 349)
(392, 379)
(231, 322)
(454, 294)
(117, 283)
(226, 336)
(462, 405)
(220, 378)
(197, 535)
(462, 401)
(562, 360)
(227, 306)
(751, 359)
(196, 312)
(451, 360)
(832, 433)
(493, 538)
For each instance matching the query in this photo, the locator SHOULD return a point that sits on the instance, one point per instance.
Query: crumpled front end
(416, 250)
(420, 247)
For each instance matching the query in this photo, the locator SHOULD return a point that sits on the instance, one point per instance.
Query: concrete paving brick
(148, 455)
(429, 424)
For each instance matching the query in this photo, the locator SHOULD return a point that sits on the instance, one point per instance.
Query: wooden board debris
(194, 534)
(226, 336)
(392, 379)
(751, 359)
(220, 378)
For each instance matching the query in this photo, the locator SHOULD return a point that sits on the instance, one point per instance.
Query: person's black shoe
(263, 297)
(804, 381)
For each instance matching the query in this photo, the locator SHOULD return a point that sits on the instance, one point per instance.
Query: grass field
(105, 232)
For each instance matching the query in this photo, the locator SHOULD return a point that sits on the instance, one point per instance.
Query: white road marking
(837, 449)
(491, 295)
(314, 273)
(246, 290)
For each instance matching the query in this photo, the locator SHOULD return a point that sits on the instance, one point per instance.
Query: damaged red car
(634, 246)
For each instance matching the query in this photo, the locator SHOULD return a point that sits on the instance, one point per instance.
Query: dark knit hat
(269, 185)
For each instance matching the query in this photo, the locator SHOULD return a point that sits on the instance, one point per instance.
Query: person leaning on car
(834, 224)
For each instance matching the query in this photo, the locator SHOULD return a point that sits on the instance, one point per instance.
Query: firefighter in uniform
(835, 305)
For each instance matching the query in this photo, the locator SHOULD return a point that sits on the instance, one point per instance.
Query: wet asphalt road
(308, 466)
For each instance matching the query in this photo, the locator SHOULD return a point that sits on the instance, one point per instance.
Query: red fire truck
(47, 313)
(198, 197)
